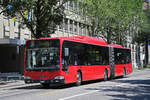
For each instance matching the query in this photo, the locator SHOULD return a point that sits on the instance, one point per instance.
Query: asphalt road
(135, 86)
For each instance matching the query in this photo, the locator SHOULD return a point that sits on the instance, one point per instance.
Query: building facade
(74, 24)
(149, 53)
(12, 38)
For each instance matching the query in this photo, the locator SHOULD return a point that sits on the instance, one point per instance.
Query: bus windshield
(43, 55)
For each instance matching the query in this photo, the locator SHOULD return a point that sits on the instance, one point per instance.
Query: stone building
(12, 38)
(73, 24)
(149, 53)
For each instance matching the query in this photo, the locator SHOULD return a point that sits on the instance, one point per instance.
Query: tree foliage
(144, 34)
(45, 15)
(112, 19)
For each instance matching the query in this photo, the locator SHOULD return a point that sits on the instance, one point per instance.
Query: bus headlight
(59, 77)
(27, 78)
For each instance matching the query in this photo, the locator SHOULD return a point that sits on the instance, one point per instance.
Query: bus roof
(86, 39)
(82, 39)
(117, 46)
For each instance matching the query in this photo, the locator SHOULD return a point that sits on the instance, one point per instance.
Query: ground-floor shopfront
(11, 56)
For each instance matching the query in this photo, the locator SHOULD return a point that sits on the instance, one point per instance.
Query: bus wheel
(105, 75)
(124, 72)
(79, 79)
(45, 85)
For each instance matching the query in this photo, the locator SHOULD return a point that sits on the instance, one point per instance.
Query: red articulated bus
(63, 60)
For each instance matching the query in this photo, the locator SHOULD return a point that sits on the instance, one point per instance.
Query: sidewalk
(10, 79)
(11, 83)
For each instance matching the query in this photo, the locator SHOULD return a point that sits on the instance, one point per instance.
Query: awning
(12, 41)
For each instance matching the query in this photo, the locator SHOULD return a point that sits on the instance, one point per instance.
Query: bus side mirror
(66, 52)
(64, 64)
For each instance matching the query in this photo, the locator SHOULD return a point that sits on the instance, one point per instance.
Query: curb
(4, 84)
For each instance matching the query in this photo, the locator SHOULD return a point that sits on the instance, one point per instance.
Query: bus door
(112, 62)
(69, 65)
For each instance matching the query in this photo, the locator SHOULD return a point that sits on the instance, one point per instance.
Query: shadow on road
(30, 86)
(133, 90)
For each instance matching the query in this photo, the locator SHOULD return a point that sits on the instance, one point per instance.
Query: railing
(10, 76)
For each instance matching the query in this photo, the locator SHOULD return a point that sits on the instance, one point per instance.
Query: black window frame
(122, 56)
(83, 53)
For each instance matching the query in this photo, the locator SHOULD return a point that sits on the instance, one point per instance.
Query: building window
(75, 27)
(1, 1)
(87, 30)
(16, 35)
(66, 25)
(71, 26)
(80, 29)
(76, 6)
(71, 4)
(80, 10)
(84, 29)
(66, 5)
(61, 26)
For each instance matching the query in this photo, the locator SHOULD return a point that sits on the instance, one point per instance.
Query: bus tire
(124, 73)
(26, 82)
(79, 79)
(45, 85)
(105, 75)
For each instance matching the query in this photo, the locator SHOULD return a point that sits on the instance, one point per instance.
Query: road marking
(49, 92)
(3, 91)
(120, 85)
(78, 95)
(14, 93)
(66, 98)
(89, 85)
(11, 85)
(18, 86)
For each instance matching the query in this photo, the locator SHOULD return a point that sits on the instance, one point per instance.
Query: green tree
(111, 19)
(144, 35)
(45, 15)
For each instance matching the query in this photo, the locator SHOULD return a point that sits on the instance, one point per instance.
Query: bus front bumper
(54, 81)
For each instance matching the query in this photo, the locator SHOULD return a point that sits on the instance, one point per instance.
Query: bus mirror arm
(65, 66)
